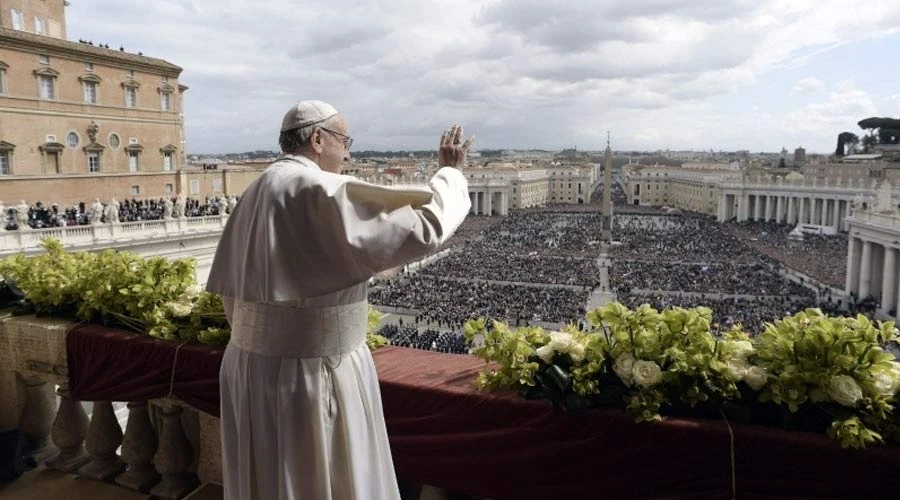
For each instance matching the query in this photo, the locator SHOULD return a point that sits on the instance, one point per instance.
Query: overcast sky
(660, 74)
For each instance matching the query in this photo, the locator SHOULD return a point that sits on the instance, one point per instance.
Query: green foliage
(655, 362)
(150, 295)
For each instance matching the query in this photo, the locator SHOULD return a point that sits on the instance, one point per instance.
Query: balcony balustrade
(107, 235)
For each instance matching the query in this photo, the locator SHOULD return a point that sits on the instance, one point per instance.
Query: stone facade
(693, 188)
(46, 17)
(79, 122)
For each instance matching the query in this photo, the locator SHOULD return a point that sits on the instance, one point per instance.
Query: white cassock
(301, 407)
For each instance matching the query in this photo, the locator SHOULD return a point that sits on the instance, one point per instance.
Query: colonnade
(488, 201)
(786, 209)
(872, 270)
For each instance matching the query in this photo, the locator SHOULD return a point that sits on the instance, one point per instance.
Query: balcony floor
(45, 484)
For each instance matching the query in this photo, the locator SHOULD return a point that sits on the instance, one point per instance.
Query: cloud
(518, 73)
(808, 85)
(845, 105)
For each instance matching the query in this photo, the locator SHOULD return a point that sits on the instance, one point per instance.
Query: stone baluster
(174, 458)
(68, 432)
(138, 448)
(104, 436)
(37, 416)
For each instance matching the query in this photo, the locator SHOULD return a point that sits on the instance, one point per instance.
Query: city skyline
(668, 74)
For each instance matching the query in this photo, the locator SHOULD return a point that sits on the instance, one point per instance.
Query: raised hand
(452, 150)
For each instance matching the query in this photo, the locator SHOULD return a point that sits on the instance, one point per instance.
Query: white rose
(883, 384)
(737, 369)
(844, 390)
(545, 353)
(623, 367)
(561, 341)
(179, 309)
(646, 373)
(193, 291)
(756, 377)
(742, 348)
(576, 352)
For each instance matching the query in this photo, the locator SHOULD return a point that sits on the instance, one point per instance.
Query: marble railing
(887, 220)
(167, 448)
(106, 234)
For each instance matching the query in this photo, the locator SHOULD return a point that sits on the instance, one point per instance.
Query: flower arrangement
(657, 362)
(150, 295)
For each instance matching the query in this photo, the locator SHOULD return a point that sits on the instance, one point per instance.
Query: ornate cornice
(131, 84)
(5, 146)
(90, 77)
(51, 147)
(3, 65)
(46, 72)
(94, 147)
(28, 42)
(168, 149)
(134, 147)
(165, 88)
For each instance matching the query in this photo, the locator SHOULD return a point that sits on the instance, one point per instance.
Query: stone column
(779, 209)
(790, 210)
(865, 270)
(103, 439)
(757, 207)
(720, 213)
(889, 279)
(37, 416)
(138, 448)
(852, 280)
(68, 432)
(173, 458)
(489, 202)
(837, 215)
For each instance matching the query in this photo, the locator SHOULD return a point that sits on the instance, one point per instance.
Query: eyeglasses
(346, 139)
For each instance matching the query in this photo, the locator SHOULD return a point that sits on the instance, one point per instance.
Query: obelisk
(607, 207)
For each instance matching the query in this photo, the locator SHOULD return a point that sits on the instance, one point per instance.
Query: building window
(90, 92)
(195, 187)
(3, 77)
(135, 190)
(169, 188)
(129, 73)
(47, 87)
(167, 161)
(114, 141)
(44, 59)
(4, 163)
(72, 139)
(165, 79)
(130, 97)
(166, 101)
(18, 19)
(40, 27)
(93, 161)
(134, 161)
(89, 67)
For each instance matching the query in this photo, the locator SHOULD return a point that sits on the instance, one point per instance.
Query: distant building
(799, 156)
(80, 121)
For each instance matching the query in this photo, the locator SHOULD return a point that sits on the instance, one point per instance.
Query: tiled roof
(24, 40)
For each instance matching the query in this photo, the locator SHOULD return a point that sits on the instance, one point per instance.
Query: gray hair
(292, 141)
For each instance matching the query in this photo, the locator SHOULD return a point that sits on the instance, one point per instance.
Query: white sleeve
(363, 229)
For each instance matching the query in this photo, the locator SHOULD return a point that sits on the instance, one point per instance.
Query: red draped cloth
(445, 433)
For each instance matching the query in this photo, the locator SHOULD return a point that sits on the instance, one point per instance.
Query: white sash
(285, 330)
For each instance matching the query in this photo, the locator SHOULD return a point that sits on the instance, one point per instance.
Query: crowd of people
(39, 215)
(823, 257)
(450, 302)
(427, 339)
(540, 265)
(713, 278)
